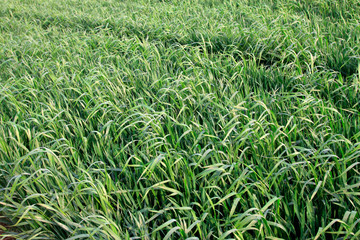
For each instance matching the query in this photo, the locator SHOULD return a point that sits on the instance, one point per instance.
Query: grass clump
(180, 119)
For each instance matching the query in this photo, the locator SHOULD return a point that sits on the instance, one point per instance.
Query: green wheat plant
(192, 119)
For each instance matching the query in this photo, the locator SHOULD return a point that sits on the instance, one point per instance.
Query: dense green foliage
(191, 119)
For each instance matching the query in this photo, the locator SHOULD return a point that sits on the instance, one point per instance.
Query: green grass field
(191, 119)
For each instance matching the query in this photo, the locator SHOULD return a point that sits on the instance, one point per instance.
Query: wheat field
(191, 119)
